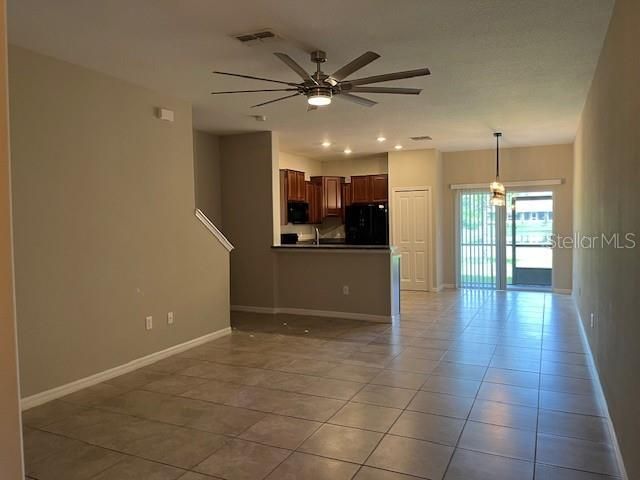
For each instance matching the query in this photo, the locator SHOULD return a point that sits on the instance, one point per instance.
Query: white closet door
(410, 235)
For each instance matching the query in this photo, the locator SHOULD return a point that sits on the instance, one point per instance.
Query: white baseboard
(314, 313)
(61, 391)
(329, 313)
(252, 309)
(600, 393)
(443, 286)
(563, 291)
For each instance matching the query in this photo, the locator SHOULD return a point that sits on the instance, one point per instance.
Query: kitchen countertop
(332, 246)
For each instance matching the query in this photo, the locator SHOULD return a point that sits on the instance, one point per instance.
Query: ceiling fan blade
(401, 91)
(355, 65)
(293, 65)
(291, 84)
(420, 72)
(251, 91)
(365, 102)
(273, 101)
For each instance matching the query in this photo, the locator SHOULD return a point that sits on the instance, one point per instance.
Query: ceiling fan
(320, 88)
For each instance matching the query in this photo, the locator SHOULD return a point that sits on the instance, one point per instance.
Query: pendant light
(497, 188)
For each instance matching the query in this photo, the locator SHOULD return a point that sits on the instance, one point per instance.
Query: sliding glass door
(477, 245)
(504, 247)
(529, 230)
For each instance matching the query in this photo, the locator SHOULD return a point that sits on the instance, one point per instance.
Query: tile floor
(469, 385)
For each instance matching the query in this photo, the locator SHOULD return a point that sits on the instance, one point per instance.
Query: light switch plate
(149, 322)
(170, 318)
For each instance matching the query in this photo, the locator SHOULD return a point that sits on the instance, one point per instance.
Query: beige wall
(248, 211)
(310, 166)
(314, 280)
(516, 164)
(104, 226)
(347, 166)
(421, 168)
(208, 181)
(10, 436)
(607, 195)
(341, 167)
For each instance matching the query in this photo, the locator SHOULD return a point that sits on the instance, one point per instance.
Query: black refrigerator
(367, 224)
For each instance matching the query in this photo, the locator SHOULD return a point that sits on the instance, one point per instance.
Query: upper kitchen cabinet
(314, 199)
(379, 188)
(295, 186)
(360, 189)
(369, 188)
(331, 205)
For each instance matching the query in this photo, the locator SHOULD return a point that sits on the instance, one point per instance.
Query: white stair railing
(213, 229)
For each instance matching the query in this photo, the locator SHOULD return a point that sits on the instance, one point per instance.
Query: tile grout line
(457, 445)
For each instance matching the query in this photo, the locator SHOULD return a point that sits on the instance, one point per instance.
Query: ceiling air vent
(422, 138)
(261, 36)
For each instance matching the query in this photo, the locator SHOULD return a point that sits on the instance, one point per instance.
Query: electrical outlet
(592, 319)
(345, 289)
(149, 322)
(170, 318)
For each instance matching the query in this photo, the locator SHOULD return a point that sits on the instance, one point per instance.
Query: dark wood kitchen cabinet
(331, 191)
(292, 189)
(295, 186)
(314, 198)
(346, 199)
(360, 189)
(369, 188)
(283, 197)
(379, 188)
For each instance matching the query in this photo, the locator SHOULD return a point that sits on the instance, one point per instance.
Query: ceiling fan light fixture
(381, 139)
(347, 150)
(326, 144)
(398, 147)
(319, 96)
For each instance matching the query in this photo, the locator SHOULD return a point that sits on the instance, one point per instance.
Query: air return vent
(421, 139)
(261, 36)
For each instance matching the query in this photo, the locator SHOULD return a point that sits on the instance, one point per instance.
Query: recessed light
(381, 139)
(347, 150)
(398, 147)
(326, 144)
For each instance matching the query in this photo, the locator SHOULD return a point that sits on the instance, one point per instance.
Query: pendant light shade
(498, 194)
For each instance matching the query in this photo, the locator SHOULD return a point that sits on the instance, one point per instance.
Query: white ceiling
(520, 66)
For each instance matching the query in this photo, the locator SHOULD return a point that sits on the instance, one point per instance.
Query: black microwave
(298, 212)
